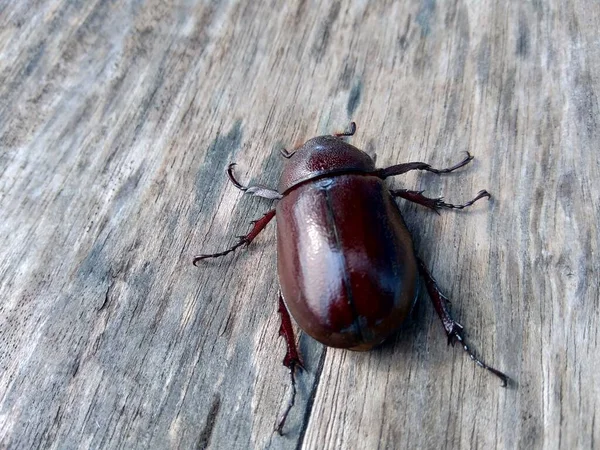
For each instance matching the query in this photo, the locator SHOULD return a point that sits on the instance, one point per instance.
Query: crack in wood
(209, 426)
(311, 399)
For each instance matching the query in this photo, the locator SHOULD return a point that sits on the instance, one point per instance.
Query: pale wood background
(117, 122)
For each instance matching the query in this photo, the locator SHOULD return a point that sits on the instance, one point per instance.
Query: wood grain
(117, 122)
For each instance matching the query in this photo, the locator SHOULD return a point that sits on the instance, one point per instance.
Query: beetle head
(323, 155)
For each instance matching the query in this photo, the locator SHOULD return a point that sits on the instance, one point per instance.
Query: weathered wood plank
(117, 122)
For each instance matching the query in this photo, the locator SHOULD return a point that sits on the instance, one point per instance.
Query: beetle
(347, 268)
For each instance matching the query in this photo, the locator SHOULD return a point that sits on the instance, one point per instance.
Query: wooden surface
(117, 122)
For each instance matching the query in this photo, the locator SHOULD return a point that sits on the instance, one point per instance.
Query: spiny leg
(454, 330)
(434, 203)
(257, 190)
(258, 226)
(291, 359)
(399, 169)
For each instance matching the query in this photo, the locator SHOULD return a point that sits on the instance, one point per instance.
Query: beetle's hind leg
(399, 169)
(454, 330)
(257, 190)
(258, 226)
(291, 360)
(434, 203)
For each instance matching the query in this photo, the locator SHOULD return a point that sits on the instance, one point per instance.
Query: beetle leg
(454, 330)
(349, 132)
(399, 169)
(257, 190)
(433, 203)
(259, 225)
(292, 357)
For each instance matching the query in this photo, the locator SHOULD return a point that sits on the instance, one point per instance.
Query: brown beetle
(346, 264)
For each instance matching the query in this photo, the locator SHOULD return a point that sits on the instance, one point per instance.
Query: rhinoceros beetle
(347, 268)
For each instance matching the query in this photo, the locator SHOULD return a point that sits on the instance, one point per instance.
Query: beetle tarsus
(463, 163)
(434, 204)
(291, 360)
(458, 336)
(454, 330)
(257, 227)
(349, 132)
(399, 169)
(289, 406)
(217, 255)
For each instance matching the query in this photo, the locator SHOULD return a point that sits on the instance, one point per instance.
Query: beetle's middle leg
(399, 169)
(258, 226)
(433, 203)
(292, 357)
(454, 330)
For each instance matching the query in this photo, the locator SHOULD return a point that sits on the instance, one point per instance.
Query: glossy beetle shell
(345, 258)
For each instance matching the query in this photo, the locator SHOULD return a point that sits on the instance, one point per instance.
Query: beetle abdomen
(345, 260)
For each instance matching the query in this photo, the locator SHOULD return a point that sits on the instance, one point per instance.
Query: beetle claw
(294, 364)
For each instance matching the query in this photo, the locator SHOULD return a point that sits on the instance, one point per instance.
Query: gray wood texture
(117, 122)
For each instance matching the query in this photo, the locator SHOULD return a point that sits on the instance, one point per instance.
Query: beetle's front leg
(259, 225)
(292, 357)
(257, 190)
(454, 330)
(399, 169)
(433, 203)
